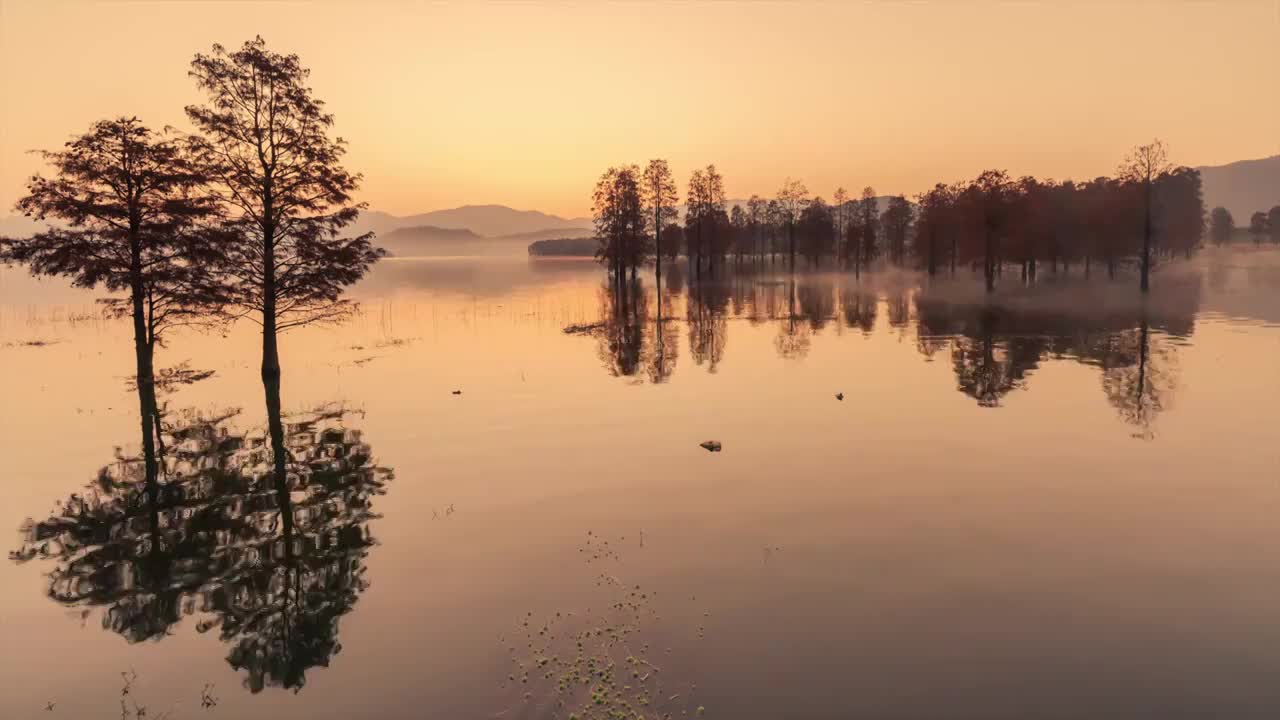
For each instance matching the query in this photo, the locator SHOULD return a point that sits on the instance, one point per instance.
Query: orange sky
(448, 104)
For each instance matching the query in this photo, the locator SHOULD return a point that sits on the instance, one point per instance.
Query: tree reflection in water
(994, 346)
(994, 349)
(259, 538)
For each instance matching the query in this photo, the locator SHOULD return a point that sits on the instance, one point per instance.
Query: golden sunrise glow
(524, 105)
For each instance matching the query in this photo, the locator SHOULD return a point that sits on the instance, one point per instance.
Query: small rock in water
(711, 445)
(457, 392)
(839, 396)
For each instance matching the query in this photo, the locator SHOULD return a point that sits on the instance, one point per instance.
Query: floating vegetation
(584, 328)
(385, 343)
(394, 342)
(595, 665)
(170, 379)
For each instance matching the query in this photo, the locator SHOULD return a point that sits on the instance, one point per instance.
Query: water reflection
(707, 305)
(994, 346)
(259, 538)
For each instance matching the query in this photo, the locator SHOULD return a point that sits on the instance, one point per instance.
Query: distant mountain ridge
(483, 220)
(1243, 187)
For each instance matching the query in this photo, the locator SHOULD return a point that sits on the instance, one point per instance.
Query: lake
(1059, 503)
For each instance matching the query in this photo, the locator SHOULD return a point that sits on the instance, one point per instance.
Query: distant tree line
(1262, 226)
(1148, 211)
(564, 247)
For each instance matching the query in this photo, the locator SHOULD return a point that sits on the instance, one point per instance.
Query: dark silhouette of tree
(757, 217)
(816, 229)
(937, 221)
(705, 217)
(619, 215)
(1179, 214)
(266, 148)
(1144, 165)
(989, 221)
(1031, 221)
(658, 191)
(792, 198)
(1221, 225)
(896, 221)
(1273, 224)
(986, 201)
(866, 229)
(775, 223)
(840, 216)
(1258, 226)
(740, 233)
(262, 539)
(135, 223)
(672, 241)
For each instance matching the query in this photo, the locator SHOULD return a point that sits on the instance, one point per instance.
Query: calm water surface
(1062, 504)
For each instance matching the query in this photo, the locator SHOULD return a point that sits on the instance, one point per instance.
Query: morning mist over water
(639, 361)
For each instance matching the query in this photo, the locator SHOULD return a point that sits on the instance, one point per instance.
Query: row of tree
(1149, 209)
(1262, 225)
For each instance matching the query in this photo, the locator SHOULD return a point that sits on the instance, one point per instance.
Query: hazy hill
(484, 220)
(1242, 187)
(428, 240)
(550, 234)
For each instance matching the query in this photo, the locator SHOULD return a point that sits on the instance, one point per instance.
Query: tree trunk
(933, 253)
(279, 455)
(270, 351)
(1146, 237)
(145, 376)
(989, 269)
(791, 243)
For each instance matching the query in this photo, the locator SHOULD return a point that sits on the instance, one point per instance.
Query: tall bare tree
(658, 191)
(757, 209)
(868, 221)
(840, 216)
(705, 209)
(896, 220)
(793, 196)
(1143, 165)
(266, 145)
